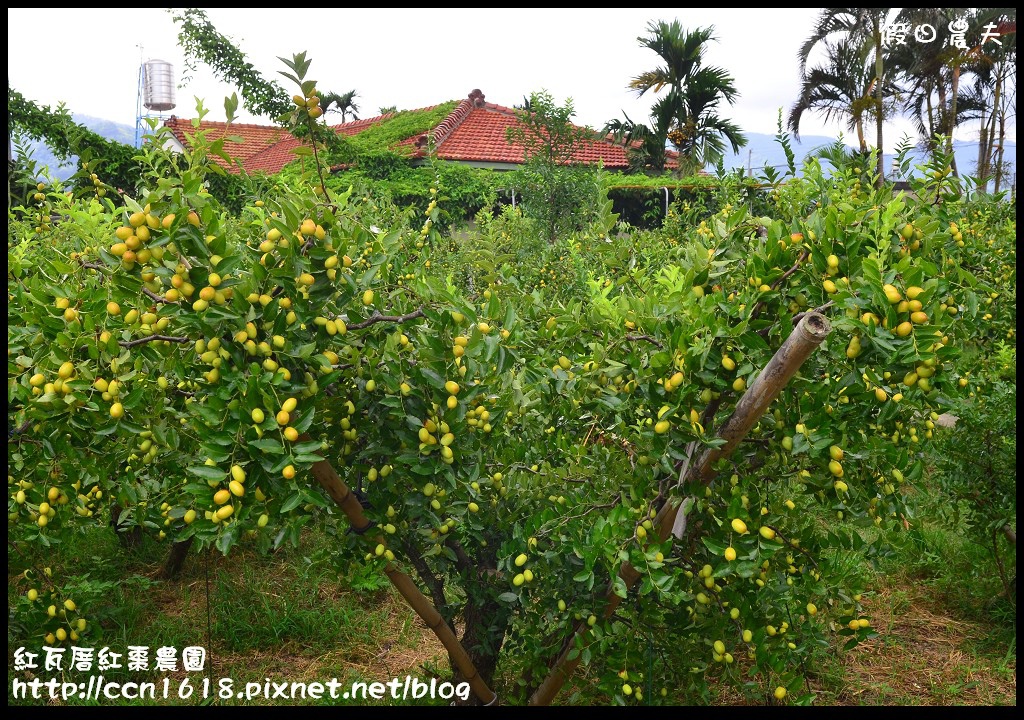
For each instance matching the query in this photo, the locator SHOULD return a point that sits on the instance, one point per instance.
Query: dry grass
(404, 646)
(922, 656)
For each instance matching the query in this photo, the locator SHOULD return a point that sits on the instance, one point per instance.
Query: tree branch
(151, 338)
(648, 338)
(377, 317)
(800, 316)
(796, 266)
(433, 583)
(156, 298)
(464, 562)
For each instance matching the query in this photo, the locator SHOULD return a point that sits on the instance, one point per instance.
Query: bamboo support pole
(805, 338)
(330, 481)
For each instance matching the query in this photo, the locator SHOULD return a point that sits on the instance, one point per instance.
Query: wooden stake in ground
(805, 338)
(345, 499)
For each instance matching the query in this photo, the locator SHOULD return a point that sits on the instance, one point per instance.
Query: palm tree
(646, 145)
(995, 90)
(862, 27)
(687, 115)
(344, 104)
(935, 73)
(841, 88)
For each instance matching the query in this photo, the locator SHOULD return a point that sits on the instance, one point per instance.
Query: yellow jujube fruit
(730, 554)
(521, 560)
(739, 526)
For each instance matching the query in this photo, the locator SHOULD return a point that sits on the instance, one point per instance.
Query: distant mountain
(761, 150)
(764, 150)
(108, 129)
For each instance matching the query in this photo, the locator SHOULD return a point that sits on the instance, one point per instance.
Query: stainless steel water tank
(158, 85)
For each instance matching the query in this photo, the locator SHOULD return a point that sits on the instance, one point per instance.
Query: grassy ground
(288, 617)
(925, 654)
(945, 635)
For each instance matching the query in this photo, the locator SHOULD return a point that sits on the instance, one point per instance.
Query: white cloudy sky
(89, 58)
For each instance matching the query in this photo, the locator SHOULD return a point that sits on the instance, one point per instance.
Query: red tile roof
(475, 131)
(256, 139)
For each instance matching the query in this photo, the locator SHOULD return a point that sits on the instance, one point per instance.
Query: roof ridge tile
(455, 118)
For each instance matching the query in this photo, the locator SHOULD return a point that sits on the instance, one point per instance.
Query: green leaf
(292, 502)
(207, 473)
(583, 576)
(275, 447)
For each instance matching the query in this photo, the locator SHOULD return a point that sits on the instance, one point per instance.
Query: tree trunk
(952, 118)
(990, 131)
(486, 627)
(1002, 140)
(931, 118)
(982, 153)
(943, 120)
(486, 618)
(860, 136)
(175, 560)
(129, 536)
(879, 115)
